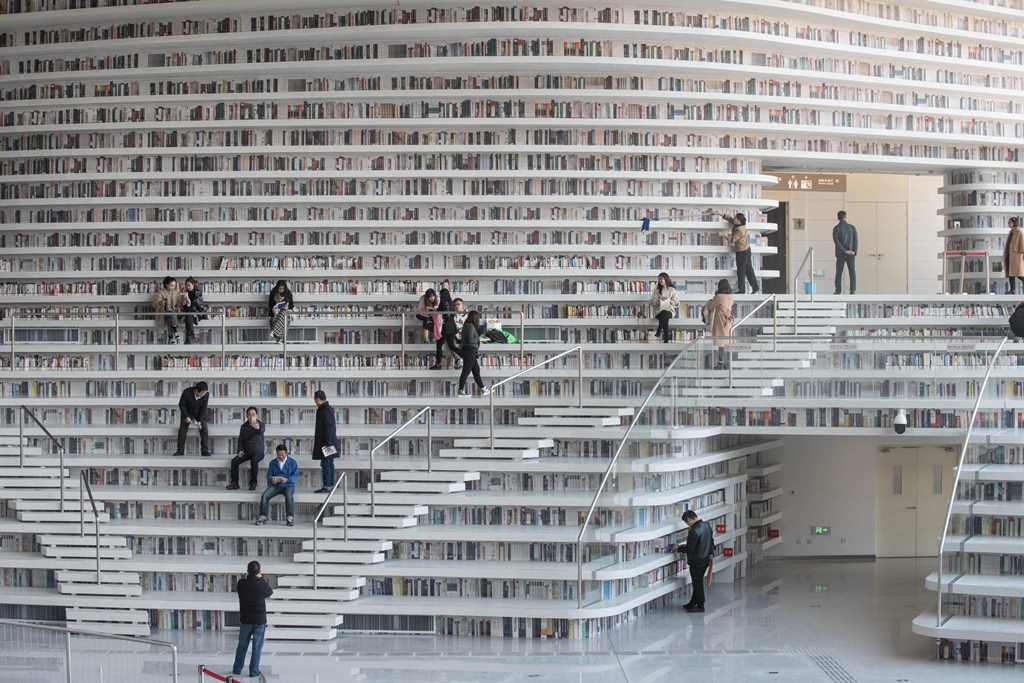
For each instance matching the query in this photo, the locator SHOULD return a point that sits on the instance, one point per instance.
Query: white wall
(908, 203)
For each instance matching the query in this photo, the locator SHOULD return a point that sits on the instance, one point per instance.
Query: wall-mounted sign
(821, 530)
(810, 182)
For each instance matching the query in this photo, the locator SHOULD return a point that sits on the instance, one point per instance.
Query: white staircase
(38, 486)
(813, 318)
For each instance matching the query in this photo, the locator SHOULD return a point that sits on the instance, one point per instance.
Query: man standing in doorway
(325, 441)
(844, 236)
(699, 549)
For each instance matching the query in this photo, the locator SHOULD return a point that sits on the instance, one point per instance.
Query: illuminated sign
(810, 182)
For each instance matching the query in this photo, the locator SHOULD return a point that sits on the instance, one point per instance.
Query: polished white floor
(833, 622)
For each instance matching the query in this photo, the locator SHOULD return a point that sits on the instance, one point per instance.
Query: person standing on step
(740, 241)
(717, 316)
(425, 309)
(1013, 255)
(454, 318)
(844, 236)
(665, 302)
(325, 440)
(168, 303)
(253, 591)
(700, 547)
(192, 410)
(250, 448)
(469, 349)
(282, 474)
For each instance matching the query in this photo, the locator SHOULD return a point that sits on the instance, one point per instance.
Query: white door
(914, 486)
(882, 247)
(896, 513)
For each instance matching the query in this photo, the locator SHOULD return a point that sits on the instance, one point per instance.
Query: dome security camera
(899, 423)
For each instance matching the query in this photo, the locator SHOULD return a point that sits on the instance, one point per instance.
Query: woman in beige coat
(717, 315)
(1013, 254)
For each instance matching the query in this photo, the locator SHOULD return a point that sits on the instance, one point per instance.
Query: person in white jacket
(665, 302)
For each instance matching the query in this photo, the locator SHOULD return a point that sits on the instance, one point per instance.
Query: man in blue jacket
(281, 477)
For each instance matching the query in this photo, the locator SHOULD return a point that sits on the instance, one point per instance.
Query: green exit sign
(821, 530)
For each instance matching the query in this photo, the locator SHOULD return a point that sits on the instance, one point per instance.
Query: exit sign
(821, 530)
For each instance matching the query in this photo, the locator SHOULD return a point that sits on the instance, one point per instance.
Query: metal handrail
(389, 437)
(579, 390)
(83, 485)
(796, 278)
(319, 514)
(754, 310)
(611, 467)
(21, 446)
(522, 331)
(775, 332)
(68, 631)
(956, 478)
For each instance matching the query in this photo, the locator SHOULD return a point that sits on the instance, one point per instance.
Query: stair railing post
(21, 436)
(401, 354)
(344, 507)
(775, 325)
(316, 535)
(223, 338)
(580, 389)
(81, 499)
(67, 655)
(373, 506)
(522, 335)
(811, 273)
(60, 452)
(117, 338)
(12, 340)
(490, 401)
(284, 342)
(430, 439)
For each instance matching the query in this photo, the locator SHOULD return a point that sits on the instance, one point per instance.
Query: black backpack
(1017, 321)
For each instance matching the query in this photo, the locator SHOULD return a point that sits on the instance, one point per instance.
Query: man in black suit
(253, 591)
(700, 546)
(192, 411)
(325, 441)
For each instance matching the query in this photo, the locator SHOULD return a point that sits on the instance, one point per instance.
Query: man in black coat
(192, 411)
(700, 546)
(325, 441)
(253, 591)
(250, 448)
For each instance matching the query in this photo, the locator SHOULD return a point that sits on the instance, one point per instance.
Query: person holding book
(1013, 255)
(193, 307)
(253, 591)
(250, 448)
(425, 309)
(192, 411)
(280, 303)
(167, 302)
(700, 548)
(665, 302)
(325, 440)
(740, 242)
(469, 349)
(282, 474)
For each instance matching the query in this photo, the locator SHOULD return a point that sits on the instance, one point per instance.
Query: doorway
(778, 260)
(914, 485)
(882, 249)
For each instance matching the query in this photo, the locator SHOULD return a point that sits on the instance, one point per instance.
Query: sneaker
(322, 489)
(252, 486)
(465, 394)
(485, 391)
(233, 487)
(261, 520)
(290, 522)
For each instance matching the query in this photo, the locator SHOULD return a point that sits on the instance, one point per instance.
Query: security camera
(900, 422)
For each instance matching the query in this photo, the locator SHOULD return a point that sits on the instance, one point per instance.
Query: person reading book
(325, 440)
(192, 411)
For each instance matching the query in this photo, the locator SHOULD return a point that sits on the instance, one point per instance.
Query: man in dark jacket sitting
(325, 441)
(250, 448)
(253, 591)
(192, 411)
(700, 546)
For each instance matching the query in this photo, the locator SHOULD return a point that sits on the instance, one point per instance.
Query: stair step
(442, 475)
(776, 355)
(329, 557)
(541, 421)
(87, 540)
(135, 616)
(787, 330)
(420, 486)
(485, 453)
(141, 630)
(592, 411)
(85, 576)
(306, 581)
(36, 482)
(45, 473)
(377, 522)
(120, 589)
(528, 444)
(74, 551)
(709, 392)
(53, 505)
(349, 546)
(281, 633)
(54, 516)
(318, 620)
(363, 509)
(770, 365)
(283, 597)
(739, 380)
